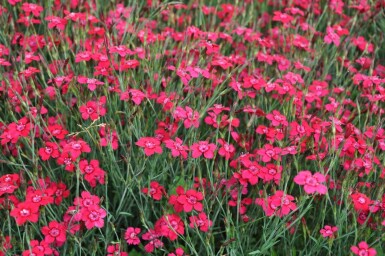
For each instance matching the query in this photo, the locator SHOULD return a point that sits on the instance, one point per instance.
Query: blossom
(156, 191)
(363, 249)
(170, 226)
(29, 8)
(51, 149)
(93, 216)
(227, 150)
(269, 152)
(150, 145)
(91, 170)
(332, 37)
(311, 182)
(37, 248)
(203, 148)
(92, 110)
(277, 118)
(55, 232)
(328, 231)
(76, 147)
(115, 250)
(56, 22)
(361, 202)
(279, 204)
(191, 200)
(24, 212)
(131, 235)
(177, 148)
(201, 221)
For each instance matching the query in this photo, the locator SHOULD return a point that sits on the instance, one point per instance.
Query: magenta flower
(311, 183)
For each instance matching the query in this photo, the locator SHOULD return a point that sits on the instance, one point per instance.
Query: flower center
(25, 212)
(150, 144)
(94, 216)
(54, 232)
(270, 152)
(311, 181)
(191, 199)
(76, 146)
(203, 148)
(36, 199)
(89, 169)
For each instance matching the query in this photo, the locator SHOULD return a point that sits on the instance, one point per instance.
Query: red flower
(361, 202)
(227, 150)
(38, 249)
(277, 118)
(328, 231)
(56, 22)
(32, 8)
(203, 147)
(269, 152)
(156, 191)
(122, 50)
(83, 56)
(66, 159)
(24, 212)
(150, 145)
(191, 200)
(108, 137)
(363, 249)
(93, 216)
(177, 148)
(191, 118)
(271, 172)
(50, 150)
(115, 250)
(332, 37)
(61, 192)
(86, 200)
(279, 204)
(55, 232)
(131, 235)
(311, 182)
(92, 83)
(152, 236)
(57, 131)
(9, 183)
(170, 226)
(76, 147)
(39, 196)
(201, 221)
(92, 172)
(92, 110)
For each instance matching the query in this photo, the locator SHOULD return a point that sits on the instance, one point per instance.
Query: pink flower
(191, 200)
(203, 148)
(328, 231)
(177, 148)
(312, 183)
(150, 145)
(277, 118)
(227, 150)
(278, 204)
(201, 221)
(131, 235)
(363, 249)
(93, 216)
(54, 232)
(170, 226)
(269, 152)
(331, 37)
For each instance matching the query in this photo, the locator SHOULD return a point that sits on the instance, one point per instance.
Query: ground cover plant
(192, 128)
